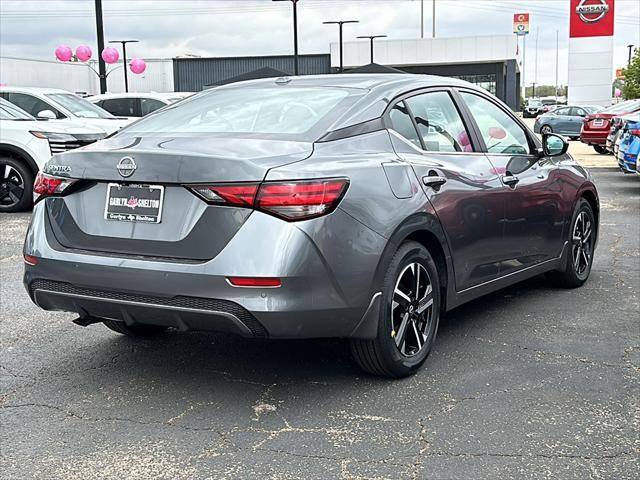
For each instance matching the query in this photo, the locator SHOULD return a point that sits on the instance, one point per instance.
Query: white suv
(26, 144)
(55, 104)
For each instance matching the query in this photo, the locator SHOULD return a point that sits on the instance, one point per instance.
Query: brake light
(635, 132)
(300, 200)
(290, 200)
(48, 185)
(242, 194)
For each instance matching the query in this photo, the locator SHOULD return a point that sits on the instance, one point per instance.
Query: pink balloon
(497, 132)
(83, 53)
(110, 55)
(137, 65)
(64, 53)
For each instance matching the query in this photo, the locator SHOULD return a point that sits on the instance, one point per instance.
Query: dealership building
(489, 61)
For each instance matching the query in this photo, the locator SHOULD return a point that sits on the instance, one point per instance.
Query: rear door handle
(510, 180)
(434, 181)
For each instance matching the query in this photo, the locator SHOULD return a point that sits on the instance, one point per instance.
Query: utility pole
(421, 18)
(295, 33)
(371, 38)
(533, 92)
(630, 47)
(102, 69)
(124, 59)
(557, 50)
(535, 74)
(524, 66)
(340, 23)
(433, 18)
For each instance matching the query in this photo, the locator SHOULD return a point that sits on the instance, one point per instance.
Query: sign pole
(524, 67)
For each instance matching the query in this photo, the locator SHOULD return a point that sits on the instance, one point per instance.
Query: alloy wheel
(412, 309)
(11, 186)
(582, 244)
(546, 129)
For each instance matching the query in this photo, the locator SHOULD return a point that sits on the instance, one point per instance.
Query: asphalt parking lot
(529, 382)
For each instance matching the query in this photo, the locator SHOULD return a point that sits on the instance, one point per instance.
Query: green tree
(631, 87)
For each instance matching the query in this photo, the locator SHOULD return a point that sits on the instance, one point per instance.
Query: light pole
(630, 47)
(340, 23)
(102, 68)
(124, 59)
(295, 33)
(371, 38)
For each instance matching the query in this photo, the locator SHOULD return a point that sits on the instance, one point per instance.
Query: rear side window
(32, 105)
(121, 107)
(501, 133)
(401, 122)
(439, 123)
(578, 112)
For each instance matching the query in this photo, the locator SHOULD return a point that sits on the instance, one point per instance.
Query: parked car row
(36, 123)
(596, 127)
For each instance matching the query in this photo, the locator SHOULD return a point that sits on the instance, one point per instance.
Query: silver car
(352, 206)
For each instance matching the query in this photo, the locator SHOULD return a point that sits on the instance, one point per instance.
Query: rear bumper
(316, 298)
(594, 138)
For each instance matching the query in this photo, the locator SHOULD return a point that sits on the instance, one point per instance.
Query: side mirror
(46, 115)
(554, 145)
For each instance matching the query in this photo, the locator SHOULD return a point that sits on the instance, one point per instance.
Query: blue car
(566, 121)
(629, 148)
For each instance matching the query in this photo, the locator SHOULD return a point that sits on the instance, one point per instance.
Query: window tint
(578, 112)
(32, 105)
(148, 105)
(562, 111)
(500, 132)
(402, 123)
(121, 107)
(439, 123)
(253, 110)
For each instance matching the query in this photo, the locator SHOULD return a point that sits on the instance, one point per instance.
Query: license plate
(598, 122)
(134, 203)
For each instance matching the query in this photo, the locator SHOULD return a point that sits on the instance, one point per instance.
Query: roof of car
(41, 90)
(368, 81)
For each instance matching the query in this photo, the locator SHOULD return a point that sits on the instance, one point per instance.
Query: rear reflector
(47, 185)
(290, 200)
(30, 260)
(254, 282)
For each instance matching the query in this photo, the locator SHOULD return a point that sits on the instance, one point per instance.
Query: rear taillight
(48, 185)
(242, 194)
(635, 132)
(300, 200)
(290, 200)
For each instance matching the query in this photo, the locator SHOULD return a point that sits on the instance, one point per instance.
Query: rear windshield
(79, 106)
(278, 110)
(628, 106)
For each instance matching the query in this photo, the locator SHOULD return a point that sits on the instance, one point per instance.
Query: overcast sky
(167, 28)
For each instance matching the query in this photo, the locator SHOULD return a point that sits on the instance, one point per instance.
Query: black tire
(546, 129)
(601, 149)
(138, 330)
(16, 185)
(575, 274)
(383, 356)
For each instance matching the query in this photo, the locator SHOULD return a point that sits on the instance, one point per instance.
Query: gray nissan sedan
(353, 206)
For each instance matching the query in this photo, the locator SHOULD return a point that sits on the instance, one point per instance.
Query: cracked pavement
(529, 382)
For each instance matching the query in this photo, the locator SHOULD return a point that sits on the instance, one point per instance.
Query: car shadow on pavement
(205, 356)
